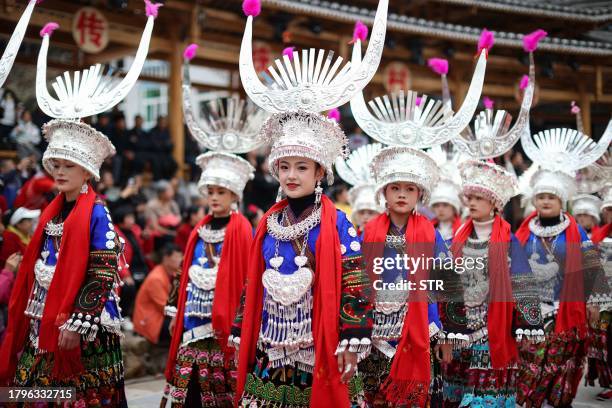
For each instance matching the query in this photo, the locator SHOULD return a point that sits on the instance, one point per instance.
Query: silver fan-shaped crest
(400, 120)
(227, 124)
(565, 149)
(91, 91)
(593, 178)
(12, 48)
(355, 170)
(312, 82)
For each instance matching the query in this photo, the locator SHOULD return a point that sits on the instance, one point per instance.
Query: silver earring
(234, 207)
(492, 213)
(318, 192)
(279, 195)
(84, 188)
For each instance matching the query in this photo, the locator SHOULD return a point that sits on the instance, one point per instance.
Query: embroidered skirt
(375, 368)
(599, 363)
(202, 363)
(286, 386)
(100, 385)
(551, 371)
(470, 381)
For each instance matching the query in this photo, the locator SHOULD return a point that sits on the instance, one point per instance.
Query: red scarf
(228, 286)
(409, 378)
(572, 312)
(456, 223)
(327, 389)
(502, 345)
(70, 273)
(601, 233)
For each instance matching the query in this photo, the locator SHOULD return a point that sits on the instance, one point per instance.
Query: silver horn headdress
(89, 93)
(408, 119)
(311, 82)
(560, 153)
(303, 86)
(12, 48)
(355, 170)
(228, 125)
(492, 135)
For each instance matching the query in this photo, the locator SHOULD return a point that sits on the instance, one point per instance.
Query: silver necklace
(292, 232)
(210, 235)
(54, 230)
(547, 232)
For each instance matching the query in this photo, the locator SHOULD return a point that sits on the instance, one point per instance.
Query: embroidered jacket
(547, 259)
(197, 323)
(356, 318)
(97, 304)
(464, 302)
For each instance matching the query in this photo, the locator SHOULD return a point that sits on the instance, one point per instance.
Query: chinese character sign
(396, 77)
(90, 30)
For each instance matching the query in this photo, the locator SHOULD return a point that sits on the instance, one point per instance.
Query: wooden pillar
(585, 109)
(175, 104)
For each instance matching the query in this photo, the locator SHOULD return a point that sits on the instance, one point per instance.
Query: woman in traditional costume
(412, 122)
(493, 303)
(205, 296)
(570, 280)
(397, 373)
(64, 318)
(306, 319)
(600, 352)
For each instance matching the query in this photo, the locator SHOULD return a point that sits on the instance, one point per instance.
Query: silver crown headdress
(12, 48)
(355, 170)
(225, 170)
(559, 154)
(488, 180)
(400, 163)
(230, 125)
(89, 93)
(303, 86)
(401, 120)
(588, 204)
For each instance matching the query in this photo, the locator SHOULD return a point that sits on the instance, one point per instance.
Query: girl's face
(298, 176)
(364, 216)
(444, 212)
(220, 200)
(480, 207)
(68, 176)
(586, 221)
(547, 205)
(402, 197)
(26, 226)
